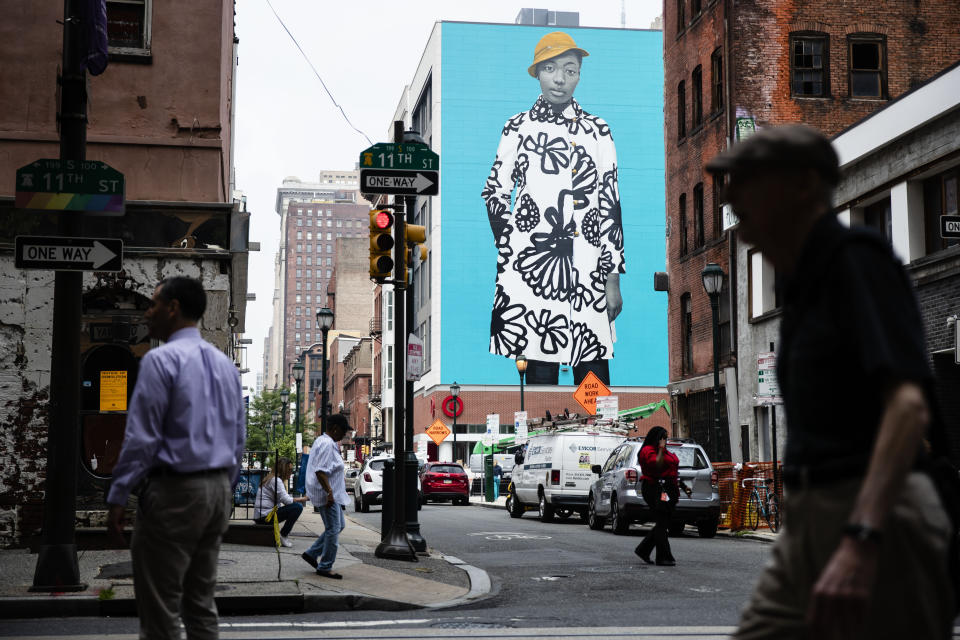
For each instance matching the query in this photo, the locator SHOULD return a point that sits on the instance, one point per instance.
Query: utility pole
(57, 568)
(410, 460)
(396, 543)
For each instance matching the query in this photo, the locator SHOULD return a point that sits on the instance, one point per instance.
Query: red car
(444, 481)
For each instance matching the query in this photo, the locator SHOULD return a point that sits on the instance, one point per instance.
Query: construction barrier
(736, 510)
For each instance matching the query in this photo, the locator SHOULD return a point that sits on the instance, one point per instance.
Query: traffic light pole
(410, 461)
(57, 567)
(396, 544)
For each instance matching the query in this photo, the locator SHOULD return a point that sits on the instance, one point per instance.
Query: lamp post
(712, 276)
(284, 396)
(522, 370)
(274, 416)
(324, 322)
(298, 378)
(455, 393)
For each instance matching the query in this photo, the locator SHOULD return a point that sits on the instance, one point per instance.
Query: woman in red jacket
(660, 490)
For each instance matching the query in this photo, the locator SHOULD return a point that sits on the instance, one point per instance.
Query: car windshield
(690, 457)
(446, 468)
(377, 465)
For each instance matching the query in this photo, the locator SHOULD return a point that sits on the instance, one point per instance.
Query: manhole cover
(616, 569)
(469, 625)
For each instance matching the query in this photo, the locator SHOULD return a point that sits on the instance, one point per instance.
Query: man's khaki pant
(175, 546)
(913, 595)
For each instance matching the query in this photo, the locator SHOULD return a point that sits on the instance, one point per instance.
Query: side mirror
(596, 469)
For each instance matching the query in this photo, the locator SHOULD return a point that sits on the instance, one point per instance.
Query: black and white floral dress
(558, 239)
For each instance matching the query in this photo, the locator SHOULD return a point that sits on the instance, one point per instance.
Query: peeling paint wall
(26, 325)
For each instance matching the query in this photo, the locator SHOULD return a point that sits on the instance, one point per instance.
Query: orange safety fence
(736, 510)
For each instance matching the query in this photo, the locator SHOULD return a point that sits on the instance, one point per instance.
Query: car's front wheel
(594, 521)
(364, 504)
(708, 528)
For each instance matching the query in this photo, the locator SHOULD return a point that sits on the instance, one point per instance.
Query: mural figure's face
(558, 78)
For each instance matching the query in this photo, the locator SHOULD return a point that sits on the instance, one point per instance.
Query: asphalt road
(564, 574)
(561, 579)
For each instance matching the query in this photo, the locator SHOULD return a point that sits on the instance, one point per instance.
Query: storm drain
(470, 625)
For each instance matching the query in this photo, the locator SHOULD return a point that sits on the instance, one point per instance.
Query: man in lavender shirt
(185, 436)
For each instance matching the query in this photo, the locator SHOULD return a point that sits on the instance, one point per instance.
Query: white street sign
(608, 407)
(520, 435)
(768, 388)
(414, 358)
(493, 429)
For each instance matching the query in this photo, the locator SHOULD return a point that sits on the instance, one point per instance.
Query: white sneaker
(285, 541)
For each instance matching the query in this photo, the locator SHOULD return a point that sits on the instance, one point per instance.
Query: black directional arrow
(68, 254)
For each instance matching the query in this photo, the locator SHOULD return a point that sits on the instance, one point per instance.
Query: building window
(298, 311)
(389, 311)
(299, 273)
(299, 260)
(298, 299)
(309, 262)
(299, 212)
(762, 294)
(388, 368)
(298, 337)
(717, 206)
(716, 81)
(329, 246)
(939, 199)
(128, 27)
(868, 65)
(306, 337)
(309, 273)
(298, 285)
(329, 223)
(681, 110)
(329, 273)
(307, 285)
(309, 223)
(299, 222)
(696, 6)
(808, 65)
(681, 15)
(299, 234)
(696, 96)
(877, 216)
(298, 323)
(329, 262)
(698, 234)
(329, 236)
(686, 333)
(309, 233)
(683, 224)
(299, 248)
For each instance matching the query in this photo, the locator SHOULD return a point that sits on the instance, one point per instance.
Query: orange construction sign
(438, 431)
(586, 394)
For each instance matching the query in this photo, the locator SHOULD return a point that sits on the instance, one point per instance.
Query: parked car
(615, 495)
(444, 481)
(350, 477)
(555, 474)
(368, 485)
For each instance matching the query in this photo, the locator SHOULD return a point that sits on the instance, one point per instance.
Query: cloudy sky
(365, 51)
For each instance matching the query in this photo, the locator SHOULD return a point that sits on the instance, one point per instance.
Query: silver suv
(615, 495)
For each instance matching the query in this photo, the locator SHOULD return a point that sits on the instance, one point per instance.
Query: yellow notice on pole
(113, 391)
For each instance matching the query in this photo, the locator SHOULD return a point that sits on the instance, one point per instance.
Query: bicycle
(768, 507)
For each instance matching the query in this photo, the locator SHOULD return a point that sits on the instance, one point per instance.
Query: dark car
(444, 481)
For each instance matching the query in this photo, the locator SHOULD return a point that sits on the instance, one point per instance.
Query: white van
(555, 475)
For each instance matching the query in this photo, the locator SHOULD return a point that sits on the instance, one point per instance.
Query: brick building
(162, 115)
(730, 68)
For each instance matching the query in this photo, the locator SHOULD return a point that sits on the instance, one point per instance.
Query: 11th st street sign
(400, 169)
(68, 254)
(89, 186)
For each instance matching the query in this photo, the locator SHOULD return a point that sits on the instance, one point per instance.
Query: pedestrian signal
(381, 242)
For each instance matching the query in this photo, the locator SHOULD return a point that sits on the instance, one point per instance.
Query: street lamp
(274, 416)
(522, 370)
(324, 322)
(298, 378)
(455, 393)
(712, 276)
(284, 396)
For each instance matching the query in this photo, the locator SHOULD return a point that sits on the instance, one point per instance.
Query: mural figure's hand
(614, 301)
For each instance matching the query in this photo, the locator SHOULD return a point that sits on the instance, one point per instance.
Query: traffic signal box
(415, 235)
(381, 243)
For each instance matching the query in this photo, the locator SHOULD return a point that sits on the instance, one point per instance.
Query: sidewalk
(248, 580)
(763, 535)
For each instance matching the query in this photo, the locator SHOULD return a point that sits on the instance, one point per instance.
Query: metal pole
(323, 385)
(715, 312)
(455, 400)
(776, 472)
(395, 543)
(57, 567)
(521, 389)
(410, 460)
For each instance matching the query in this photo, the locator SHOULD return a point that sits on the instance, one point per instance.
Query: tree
(265, 435)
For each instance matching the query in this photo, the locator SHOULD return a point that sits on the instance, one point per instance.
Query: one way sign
(68, 254)
(399, 183)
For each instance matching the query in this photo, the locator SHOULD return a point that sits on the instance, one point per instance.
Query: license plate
(448, 482)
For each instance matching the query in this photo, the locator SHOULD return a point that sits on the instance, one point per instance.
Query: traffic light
(381, 242)
(415, 235)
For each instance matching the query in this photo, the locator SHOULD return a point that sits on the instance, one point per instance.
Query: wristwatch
(863, 532)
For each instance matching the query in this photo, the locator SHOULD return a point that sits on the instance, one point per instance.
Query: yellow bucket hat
(551, 46)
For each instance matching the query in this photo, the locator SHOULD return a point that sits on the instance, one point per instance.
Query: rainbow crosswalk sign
(89, 186)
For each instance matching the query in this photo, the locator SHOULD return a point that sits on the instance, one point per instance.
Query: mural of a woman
(554, 208)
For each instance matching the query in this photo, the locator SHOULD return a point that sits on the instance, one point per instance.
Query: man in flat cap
(863, 553)
(560, 248)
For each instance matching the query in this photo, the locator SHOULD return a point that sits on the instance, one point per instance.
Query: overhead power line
(316, 73)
